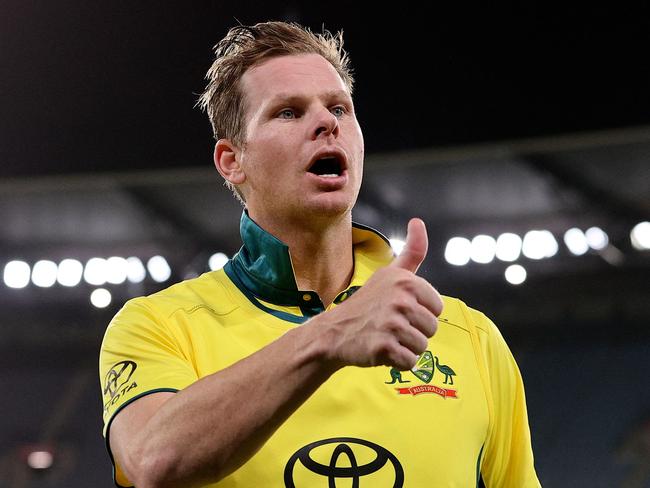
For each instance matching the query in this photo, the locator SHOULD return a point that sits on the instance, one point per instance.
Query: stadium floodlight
(159, 269)
(515, 274)
(217, 261)
(101, 298)
(508, 247)
(640, 236)
(16, 274)
(483, 249)
(44, 273)
(458, 251)
(96, 271)
(116, 270)
(576, 241)
(40, 460)
(70, 272)
(597, 238)
(397, 245)
(539, 244)
(551, 244)
(135, 271)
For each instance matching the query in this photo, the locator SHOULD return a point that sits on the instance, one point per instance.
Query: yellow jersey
(458, 415)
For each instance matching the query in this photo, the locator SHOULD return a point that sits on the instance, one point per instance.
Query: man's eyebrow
(293, 98)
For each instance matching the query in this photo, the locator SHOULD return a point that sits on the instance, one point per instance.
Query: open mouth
(327, 167)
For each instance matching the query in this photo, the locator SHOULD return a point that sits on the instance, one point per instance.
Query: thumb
(415, 249)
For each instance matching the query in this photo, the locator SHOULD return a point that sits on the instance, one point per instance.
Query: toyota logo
(119, 375)
(343, 446)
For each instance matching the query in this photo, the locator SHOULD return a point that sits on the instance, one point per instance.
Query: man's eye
(287, 113)
(338, 111)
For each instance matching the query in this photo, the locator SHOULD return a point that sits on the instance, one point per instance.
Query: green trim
(229, 269)
(110, 421)
(262, 270)
(374, 231)
(478, 466)
(263, 264)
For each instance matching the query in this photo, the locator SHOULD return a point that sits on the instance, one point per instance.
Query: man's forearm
(209, 429)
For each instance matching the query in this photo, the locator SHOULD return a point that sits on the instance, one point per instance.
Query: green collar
(262, 269)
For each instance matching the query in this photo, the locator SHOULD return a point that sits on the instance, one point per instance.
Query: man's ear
(226, 160)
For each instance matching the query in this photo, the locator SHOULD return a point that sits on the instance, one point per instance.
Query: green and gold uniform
(458, 415)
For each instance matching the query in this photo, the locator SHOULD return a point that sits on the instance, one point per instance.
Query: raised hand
(390, 319)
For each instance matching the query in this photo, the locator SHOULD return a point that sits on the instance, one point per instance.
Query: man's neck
(321, 255)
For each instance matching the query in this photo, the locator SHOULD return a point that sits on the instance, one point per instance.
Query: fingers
(413, 340)
(427, 296)
(402, 358)
(405, 360)
(415, 249)
(407, 343)
(419, 324)
(423, 320)
(396, 350)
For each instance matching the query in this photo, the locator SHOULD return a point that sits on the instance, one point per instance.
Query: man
(313, 344)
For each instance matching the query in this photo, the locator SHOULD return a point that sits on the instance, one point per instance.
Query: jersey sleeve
(508, 455)
(139, 355)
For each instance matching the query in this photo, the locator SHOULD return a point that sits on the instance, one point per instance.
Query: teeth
(329, 176)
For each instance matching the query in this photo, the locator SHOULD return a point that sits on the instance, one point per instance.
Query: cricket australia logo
(424, 370)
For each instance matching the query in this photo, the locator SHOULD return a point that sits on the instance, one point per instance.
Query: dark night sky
(88, 87)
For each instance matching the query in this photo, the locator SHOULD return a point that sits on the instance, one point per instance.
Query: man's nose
(326, 124)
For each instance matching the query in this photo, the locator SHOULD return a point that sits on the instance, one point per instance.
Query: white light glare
(458, 251)
(135, 271)
(16, 274)
(116, 270)
(640, 236)
(96, 271)
(483, 249)
(44, 273)
(397, 245)
(596, 238)
(70, 271)
(515, 274)
(218, 260)
(100, 298)
(539, 244)
(39, 459)
(576, 241)
(159, 269)
(508, 247)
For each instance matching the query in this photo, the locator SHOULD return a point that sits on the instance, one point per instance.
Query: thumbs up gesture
(415, 249)
(390, 319)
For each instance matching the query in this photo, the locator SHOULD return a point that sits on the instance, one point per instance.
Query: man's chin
(330, 204)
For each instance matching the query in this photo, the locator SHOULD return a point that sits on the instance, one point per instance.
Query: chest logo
(381, 461)
(424, 370)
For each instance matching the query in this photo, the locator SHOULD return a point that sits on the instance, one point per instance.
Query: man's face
(303, 155)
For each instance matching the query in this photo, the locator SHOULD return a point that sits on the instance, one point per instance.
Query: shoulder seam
(477, 313)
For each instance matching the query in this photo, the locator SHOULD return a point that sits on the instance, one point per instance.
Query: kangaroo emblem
(395, 376)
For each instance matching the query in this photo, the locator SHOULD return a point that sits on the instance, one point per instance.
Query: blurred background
(521, 137)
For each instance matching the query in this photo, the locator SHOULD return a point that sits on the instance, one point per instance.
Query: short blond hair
(244, 47)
